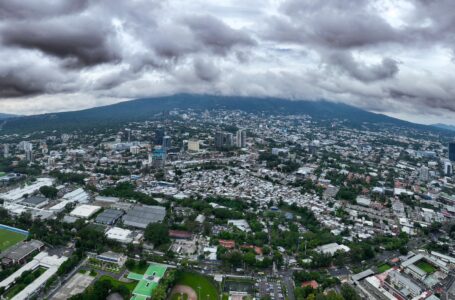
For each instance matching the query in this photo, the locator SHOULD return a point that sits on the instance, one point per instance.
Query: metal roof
(109, 216)
(142, 215)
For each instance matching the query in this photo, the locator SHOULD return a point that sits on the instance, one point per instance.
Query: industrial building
(142, 215)
(19, 253)
(85, 211)
(109, 216)
(120, 235)
(35, 201)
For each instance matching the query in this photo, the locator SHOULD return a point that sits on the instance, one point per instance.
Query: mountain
(147, 108)
(7, 116)
(444, 126)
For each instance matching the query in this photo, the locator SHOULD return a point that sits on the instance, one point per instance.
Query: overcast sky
(390, 56)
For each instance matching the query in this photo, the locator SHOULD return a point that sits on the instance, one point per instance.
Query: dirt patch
(184, 289)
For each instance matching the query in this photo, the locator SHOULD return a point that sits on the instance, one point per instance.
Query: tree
(157, 234)
(49, 191)
(349, 292)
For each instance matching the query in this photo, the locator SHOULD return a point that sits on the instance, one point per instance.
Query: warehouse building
(85, 211)
(121, 235)
(142, 215)
(19, 253)
(35, 201)
(109, 216)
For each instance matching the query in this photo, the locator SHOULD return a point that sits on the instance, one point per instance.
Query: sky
(395, 57)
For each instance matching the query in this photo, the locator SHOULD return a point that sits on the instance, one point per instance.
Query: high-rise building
(159, 135)
(158, 157)
(424, 173)
(219, 139)
(29, 155)
(241, 138)
(224, 140)
(452, 151)
(167, 142)
(448, 169)
(6, 151)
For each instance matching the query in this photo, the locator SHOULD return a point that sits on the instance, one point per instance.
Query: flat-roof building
(142, 215)
(85, 211)
(120, 235)
(109, 216)
(35, 201)
(19, 252)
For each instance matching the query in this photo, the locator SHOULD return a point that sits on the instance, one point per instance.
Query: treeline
(126, 190)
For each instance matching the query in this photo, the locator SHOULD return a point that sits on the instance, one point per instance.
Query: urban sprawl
(226, 204)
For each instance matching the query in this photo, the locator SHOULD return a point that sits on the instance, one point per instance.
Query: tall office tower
(159, 135)
(241, 138)
(6, 151)
(452, 151)
(167, 142)
(228, 140)
(158, 157)
(448, 169)
(424, 173)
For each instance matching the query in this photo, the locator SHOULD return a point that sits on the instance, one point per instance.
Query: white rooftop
(85, 210)
(18, 193)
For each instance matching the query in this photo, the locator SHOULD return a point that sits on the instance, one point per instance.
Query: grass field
(115, 283)
(9, 238)
(208, 289)
(384, 267)
(423, 265)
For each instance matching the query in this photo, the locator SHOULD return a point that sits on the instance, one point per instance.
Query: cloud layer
(384, 55)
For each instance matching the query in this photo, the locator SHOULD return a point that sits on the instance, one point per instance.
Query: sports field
(9, 238)
(426, 267)
(148, 281)
(202, 285)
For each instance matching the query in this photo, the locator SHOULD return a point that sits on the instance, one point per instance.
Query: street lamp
(199, 292)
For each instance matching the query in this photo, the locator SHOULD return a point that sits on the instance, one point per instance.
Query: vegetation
(205, 287)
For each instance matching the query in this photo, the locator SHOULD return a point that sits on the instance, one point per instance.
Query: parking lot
(270, 287)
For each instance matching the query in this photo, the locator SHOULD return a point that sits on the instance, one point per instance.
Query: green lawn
(115, 283)
(384, 267)
(9, 238)
(426, 267)
(205, 287)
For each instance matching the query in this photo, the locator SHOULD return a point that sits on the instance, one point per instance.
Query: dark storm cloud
(206, 70)
(330, 23)
(346, 50)
(216, 35)
(79, 40)
(344, 61)
(32, 9)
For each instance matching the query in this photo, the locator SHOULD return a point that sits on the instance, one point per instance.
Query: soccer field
(9, 238)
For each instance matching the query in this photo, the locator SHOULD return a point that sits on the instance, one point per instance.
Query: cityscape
(282, 207)
(227, 150)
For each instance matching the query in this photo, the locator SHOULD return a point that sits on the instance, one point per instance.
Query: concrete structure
(112, 257)
(76, 285)
(120, 235)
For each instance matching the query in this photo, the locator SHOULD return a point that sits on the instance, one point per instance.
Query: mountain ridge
(144, 108)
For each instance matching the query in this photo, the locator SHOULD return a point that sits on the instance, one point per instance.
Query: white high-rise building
(6, 151)
(424, 173)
